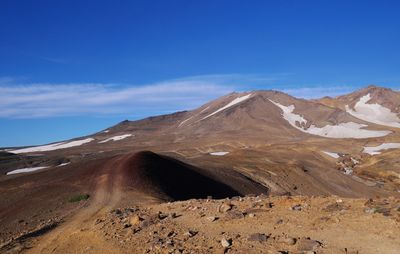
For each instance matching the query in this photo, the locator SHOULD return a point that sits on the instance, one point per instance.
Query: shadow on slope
(164, 176)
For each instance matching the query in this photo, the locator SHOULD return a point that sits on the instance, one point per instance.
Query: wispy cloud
(23, 100)
(50, 100)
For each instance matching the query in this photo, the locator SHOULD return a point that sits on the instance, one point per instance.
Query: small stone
(384, 211)
(369, 210)
(306, 244)
(335, 207)
(296, 207)
(226, 243)
(146, 223)
(251, 215)
(269, 205)
(235, 215)
(258, 237)
(162, 216)
(135, 219)
(174, 215)
(191, 233)
(171, 234)
(212, 218)
(289, 240)
(225, 207)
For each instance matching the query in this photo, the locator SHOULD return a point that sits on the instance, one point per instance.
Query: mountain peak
(374, 88)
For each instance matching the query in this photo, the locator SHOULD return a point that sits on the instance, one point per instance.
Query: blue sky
(70, 68)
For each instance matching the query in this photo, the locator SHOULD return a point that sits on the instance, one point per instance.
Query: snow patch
(343, 130)
(64, 164)
(204, 109)
(219, 153)
(333, 155)
(374, 113)
(52, 147)
(230, 104)
(24, 170)
(373, 150)
(116, 138)
(185, 121)
(106, 131)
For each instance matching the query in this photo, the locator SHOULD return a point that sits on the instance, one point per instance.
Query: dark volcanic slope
(164, 176)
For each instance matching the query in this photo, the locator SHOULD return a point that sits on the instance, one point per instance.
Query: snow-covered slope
(116, 138)
(374, 113)
(219, 153)
(342, 130)
(230, 104)
(24, 170)
(333, 155)
(52, 147)
(373, 150)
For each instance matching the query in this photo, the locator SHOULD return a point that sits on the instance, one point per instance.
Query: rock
(369, 202)
(369, 210)
(333, 207)
(258, 237)
(307, 244)
(251, 215)
(235, 215)
(162, 216)
(226, 243)
(135, 219)
(212, 218)
(117, 211)
(191, 233)
(224, 208)
(171, 234)
(296, 207)
(383, 210)
(174, 215)
(348, 251)
(289, 240)
(269, 205)
(279, 221)
(98, 221)
(146, 223)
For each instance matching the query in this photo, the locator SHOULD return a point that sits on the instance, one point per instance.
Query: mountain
(249, 143)
(372, 104)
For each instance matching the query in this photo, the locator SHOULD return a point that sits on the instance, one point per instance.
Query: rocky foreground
(257, 225)
(252, 224)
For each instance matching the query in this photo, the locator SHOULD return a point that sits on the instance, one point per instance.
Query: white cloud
(48, 100)
(22, 100)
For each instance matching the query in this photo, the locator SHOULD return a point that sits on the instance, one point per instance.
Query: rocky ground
(252, 224)
(257, 225)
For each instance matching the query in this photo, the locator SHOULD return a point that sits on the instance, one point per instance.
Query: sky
(72, 68)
